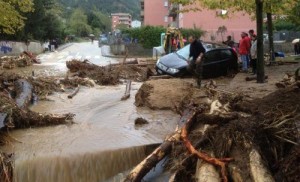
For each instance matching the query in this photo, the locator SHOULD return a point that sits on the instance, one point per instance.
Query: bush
(149, 36)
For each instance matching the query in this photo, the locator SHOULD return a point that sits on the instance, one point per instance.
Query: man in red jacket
(244, 48)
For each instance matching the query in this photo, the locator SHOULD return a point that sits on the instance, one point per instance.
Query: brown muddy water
(103, 143)
(100, 146)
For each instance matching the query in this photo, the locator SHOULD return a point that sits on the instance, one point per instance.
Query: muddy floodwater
(102, 143)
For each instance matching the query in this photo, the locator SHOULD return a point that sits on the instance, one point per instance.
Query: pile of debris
(108, 75)
(243, 138)
(23, 60)
(290, 79)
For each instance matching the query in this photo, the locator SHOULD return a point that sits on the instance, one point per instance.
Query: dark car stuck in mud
(218, 61)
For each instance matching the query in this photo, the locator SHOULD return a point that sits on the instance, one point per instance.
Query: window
(166, 4)
(225, 54)
(211, 56)
(166, 19)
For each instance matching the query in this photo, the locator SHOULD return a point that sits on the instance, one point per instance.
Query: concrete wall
(15, 48)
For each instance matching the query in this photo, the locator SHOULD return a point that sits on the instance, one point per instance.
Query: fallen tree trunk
(74, 93)
(24, 93)
(137, 174)
(211, 160)
(206, 172)
(127, 91)
(22, 118)
(259, 172)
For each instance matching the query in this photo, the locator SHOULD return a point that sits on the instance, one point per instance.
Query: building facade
(163, 13)
(124, 19)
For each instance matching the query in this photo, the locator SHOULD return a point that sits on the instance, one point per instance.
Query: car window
(212, 56)
(184, 52)
(225, 54)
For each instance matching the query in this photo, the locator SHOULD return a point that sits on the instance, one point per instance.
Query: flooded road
(101, 144)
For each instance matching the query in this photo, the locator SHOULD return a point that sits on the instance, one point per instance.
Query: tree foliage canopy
(11, 19)
(272, 6)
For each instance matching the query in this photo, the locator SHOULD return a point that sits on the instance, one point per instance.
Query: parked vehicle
(218, 61)
(102, 40)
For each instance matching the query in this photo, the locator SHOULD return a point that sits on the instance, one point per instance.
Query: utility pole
(260, 45)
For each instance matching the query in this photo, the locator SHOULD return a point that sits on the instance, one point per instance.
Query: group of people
(247, 49)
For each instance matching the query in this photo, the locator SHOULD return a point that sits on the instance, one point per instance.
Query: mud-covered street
(79, 116)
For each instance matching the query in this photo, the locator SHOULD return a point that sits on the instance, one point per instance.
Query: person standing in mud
(244, 48)
(253, 52)
(196, 54)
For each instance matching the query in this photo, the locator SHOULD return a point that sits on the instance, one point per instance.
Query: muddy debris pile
(289, 79)
(23, 60)
(108, 75)
(222, 136)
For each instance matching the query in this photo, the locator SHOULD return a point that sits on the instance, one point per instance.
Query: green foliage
(284, 24)
(45, 22)
(149, 36)
(99, 22)
(78, 24)
(107, 6)
(294, 14)
(11, 19)
(196, 32)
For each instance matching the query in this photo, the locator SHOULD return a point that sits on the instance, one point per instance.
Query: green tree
(99, 22)
(11, 19)
(45, 22)
(78, 23)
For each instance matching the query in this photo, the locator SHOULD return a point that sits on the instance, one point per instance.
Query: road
(79, 51)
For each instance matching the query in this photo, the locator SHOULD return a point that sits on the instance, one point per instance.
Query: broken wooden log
(23, 93)
(259, 172)
(201, 155)
(206, 172)
(137, 174)
(74, 93)
(160, 77)
(251, 78)
(24, 118)
(127, 91)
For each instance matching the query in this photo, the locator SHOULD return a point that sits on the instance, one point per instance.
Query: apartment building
(155, 12)
(120, 18)
(162, 12)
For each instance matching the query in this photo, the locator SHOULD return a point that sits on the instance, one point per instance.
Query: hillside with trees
(106, 6)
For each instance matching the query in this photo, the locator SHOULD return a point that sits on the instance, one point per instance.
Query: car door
(210, 68)
(226, 57)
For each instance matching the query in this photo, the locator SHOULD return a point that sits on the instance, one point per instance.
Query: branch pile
(239, 138)
(108, 75)
(23, 60)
